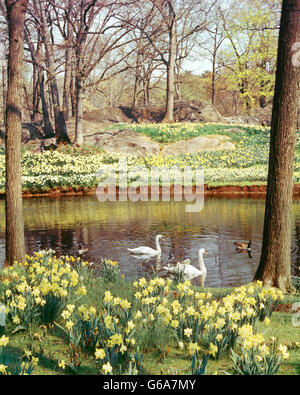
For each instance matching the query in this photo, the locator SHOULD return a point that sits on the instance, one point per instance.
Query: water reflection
(108, 229)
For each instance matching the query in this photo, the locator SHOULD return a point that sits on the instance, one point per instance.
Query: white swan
(189, 270)
(147, 251)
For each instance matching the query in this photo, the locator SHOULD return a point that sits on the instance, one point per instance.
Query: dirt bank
(257, 191)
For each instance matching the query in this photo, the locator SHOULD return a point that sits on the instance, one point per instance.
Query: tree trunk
(79, 89)
(136, 80)
(213, 84)
(15, 241)
(213, 76)
(144, 87)
(35, 93)
(177, 85)
(67, 77)
(4, 93)
(27, 105)
(275, 262)
(168, 117)
(134, 95)
(48, 129)
(73, 93)
(59, 119)
(148, 90)
(79, 111)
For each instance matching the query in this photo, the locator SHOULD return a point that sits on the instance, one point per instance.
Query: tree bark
(275, 263)
(213, 75)
(4, 93)
(35, 93)
(72, 90)
(68, 71)
(15, 241)
(59, 119)
(136, 79)
(79, 111)
(48, 129)
(168, 117)
(79, 87)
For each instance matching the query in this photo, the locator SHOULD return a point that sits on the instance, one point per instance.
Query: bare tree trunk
(148, 94)
(134, 95)
(79, 89)
(35, 94)
(27, 102)
(49, 101)
(59, 119)
(275, 262)
(68, 71)
(15, 241)
(48, 129)
(145, 96)
(72, 90)
(213, 76)
(178, 82)
(136, 80)
(79, 111)
(4, 93)
(168, 117)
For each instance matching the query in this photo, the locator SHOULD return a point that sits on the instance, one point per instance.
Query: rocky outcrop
(196, 111)
(184, 111)
(125, 141)
(109, 115)
(48, 144)
(243, 120)
(196, 144)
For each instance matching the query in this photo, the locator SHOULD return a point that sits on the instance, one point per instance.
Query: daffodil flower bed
(248, 162)
(47, 295)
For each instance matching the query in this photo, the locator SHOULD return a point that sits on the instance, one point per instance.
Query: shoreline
(229, 190)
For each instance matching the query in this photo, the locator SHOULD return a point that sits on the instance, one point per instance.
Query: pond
(109, 228)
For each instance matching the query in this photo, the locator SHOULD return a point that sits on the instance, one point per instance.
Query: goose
(242, 246)
(82, 250)
(189, 270)
(147, 251)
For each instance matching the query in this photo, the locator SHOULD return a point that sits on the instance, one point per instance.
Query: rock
(243, 120)
(196, 144)
(125, 141)
(108, 115)
(234, 130)
(184, 111)
(31, 131)
(25, 135)
(209, 113)
(266, 122)
(48, 144)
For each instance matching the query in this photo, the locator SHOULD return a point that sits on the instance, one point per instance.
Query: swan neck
(201, 261)
(157, 245)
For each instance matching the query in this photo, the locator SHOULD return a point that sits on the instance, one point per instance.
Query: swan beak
(205, 252)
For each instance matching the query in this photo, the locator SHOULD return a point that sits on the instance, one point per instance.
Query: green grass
(168, 133)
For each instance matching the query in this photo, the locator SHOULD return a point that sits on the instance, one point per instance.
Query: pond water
(109, 228)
